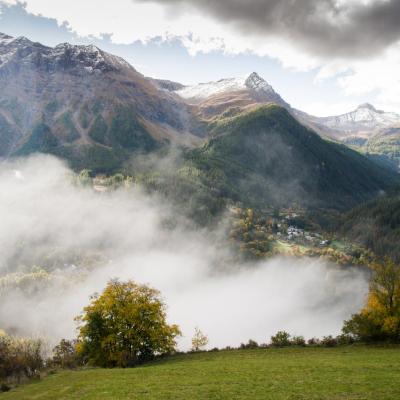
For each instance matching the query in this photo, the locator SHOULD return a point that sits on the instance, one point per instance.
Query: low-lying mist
(78, 239)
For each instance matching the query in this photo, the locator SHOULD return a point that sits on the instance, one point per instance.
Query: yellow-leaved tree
(380, 318)
(199, 340)
(125, 325)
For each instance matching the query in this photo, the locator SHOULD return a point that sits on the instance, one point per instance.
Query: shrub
(329, 341)
(65, 354)
(298, 341)
(4, 388)
(281, 339)
(313, 342)
(344, 339)
(251, 344)
(20, 357)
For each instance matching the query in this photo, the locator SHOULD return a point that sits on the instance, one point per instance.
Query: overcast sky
(323, 56)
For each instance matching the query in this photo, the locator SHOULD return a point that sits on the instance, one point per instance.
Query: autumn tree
(199, 340)
(281, 339)
(380, 318)
(125, 325)
(65, 354)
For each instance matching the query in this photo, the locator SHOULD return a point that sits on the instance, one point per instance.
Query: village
(288, 231)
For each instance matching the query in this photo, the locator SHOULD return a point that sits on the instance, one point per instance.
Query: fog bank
(83, 239)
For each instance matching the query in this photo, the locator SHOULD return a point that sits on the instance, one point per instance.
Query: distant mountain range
(364, 122)
(245, 142)
(370, 130)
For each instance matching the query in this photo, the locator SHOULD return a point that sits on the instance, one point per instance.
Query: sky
(324, 57)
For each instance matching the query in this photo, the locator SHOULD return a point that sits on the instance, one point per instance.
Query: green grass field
(292, 373)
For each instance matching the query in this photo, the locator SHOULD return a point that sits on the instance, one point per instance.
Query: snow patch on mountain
(203, 91)
(5, 39)
(21, 51)
(365, 118)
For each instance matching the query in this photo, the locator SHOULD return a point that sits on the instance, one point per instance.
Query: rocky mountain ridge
(365, 120)
(80, 102)
(75, 100)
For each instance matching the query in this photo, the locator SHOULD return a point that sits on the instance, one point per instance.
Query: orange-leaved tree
(380, 318)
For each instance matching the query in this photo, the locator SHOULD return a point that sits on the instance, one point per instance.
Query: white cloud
(128, 21)
(380, 75)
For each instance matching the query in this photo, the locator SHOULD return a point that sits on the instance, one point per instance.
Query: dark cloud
(324, 27)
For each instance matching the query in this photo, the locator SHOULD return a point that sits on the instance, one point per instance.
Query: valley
(136, 211)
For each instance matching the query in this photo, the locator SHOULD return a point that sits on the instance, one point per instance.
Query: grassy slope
(295, 373)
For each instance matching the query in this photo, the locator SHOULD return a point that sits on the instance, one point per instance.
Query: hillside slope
(266, 157)
(342, 373)
(375, 225)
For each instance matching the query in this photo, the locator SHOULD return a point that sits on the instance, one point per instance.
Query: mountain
(373, 132)
(242, 141)
(266, 157)
(228, 97)
(231, 96)
(82, 103)
(383, 145)
(254, 84)
(363, 122)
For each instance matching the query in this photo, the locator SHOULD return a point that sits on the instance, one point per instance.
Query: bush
(344, 339)
(4, 388)
(251, 344)
(298, 341)
(65, 354)
(20, 358)
(329, 341)
(313, 342)
(281, 339)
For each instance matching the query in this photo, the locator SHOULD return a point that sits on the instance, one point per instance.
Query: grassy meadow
(350, 372)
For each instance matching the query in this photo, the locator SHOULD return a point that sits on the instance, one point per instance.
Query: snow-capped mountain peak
(366, 118)
(252, 83)
(20, 51)
(255, 82)
(202, 91)
(366, 106)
